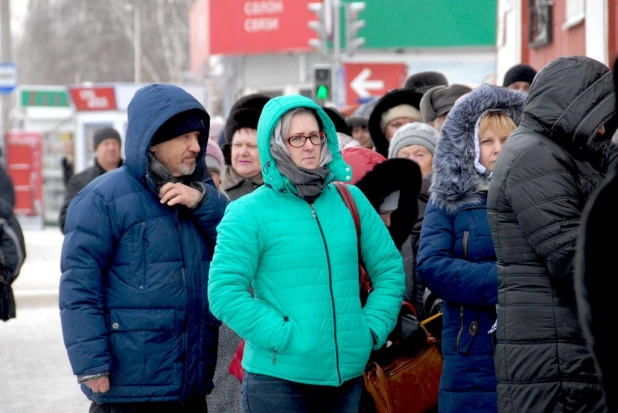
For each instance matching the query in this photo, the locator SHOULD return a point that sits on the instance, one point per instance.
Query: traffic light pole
(5, 29)
(336, 59)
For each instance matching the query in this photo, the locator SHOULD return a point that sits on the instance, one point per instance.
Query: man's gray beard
(186, 170)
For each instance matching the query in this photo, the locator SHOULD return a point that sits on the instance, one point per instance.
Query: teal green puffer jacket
(305, 322)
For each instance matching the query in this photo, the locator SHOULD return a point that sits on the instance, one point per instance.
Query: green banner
(398, 24)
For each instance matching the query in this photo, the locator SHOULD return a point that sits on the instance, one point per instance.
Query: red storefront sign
(93, 98)
(364, 80)
(24, 162)
(259, 26)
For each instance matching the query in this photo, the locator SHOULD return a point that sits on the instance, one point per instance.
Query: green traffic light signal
(322, 93)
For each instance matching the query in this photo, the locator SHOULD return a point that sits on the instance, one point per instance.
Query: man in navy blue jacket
(135, 260)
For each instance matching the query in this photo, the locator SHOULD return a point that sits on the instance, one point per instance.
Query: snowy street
(35, 374)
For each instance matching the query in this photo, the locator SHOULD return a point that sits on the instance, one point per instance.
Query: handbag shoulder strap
(348, 199)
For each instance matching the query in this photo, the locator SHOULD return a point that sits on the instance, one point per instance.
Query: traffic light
(320, 27)
(322, 83)
(352, 27)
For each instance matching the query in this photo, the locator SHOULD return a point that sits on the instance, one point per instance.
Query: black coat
(542, 180)
(12, 256)
(594, 263)
(75, 184)
(404, 176)
(7, 191)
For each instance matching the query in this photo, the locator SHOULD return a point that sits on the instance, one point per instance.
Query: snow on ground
(35, 374)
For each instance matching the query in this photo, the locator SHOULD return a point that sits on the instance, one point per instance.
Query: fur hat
(180, 124)
(245, 113)
(415, 133)
(388, 101)
(439, 100)
(340, 124)
(105, 133)
(423, 81)
(519, 73)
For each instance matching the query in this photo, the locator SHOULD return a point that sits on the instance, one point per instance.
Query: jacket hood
(455, 179)
(271, 114)
(150, 108)
(392, 175)
(569, 100)
(390, 100)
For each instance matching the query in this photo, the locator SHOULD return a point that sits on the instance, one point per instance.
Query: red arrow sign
(364, 80)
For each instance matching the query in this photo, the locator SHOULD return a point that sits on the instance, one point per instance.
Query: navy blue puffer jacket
(133, 292)
(456, 256)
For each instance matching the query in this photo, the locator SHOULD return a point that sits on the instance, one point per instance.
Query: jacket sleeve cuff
(86, 377)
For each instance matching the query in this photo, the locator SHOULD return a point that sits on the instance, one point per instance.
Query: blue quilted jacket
(456, 257)
(133, 291)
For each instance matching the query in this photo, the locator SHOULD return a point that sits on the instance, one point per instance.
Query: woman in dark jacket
(456, 255)
(12, 256)
(242, 174)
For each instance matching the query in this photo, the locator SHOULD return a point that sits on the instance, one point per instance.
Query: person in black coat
(107, 144)
(7, 191)
(12, 256)
(594, 264)
(549, 168)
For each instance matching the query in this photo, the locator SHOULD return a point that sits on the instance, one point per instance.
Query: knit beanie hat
(105, 133)
(181, 124)
(439, 100)
(519, 73)
(214, 157)
(416, 133)
(423, 81)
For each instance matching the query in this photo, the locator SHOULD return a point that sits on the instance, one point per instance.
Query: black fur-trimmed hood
(455, 180)
(387, 177)
(390, 100)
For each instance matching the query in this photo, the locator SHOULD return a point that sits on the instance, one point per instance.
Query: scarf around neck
(308, 182)
(230, 178)
(160, 175)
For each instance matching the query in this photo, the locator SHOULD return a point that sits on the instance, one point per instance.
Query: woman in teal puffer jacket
(293, 241)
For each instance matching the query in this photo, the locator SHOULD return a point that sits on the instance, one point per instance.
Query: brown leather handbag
(407, 384)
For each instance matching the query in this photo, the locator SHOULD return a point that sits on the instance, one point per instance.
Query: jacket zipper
(330, 284)
(461, 325)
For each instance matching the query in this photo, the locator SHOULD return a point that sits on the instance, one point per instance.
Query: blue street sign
(8, 78)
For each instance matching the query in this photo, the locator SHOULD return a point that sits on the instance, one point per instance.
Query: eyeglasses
(299, 141)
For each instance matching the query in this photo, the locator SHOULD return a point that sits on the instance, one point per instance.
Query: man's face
(179, 155)
(108, 153)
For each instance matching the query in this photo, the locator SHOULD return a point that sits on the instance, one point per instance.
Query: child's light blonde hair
(499, 122)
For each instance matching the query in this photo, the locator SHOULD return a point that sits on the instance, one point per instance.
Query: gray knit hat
(415, 133)
(439, 100)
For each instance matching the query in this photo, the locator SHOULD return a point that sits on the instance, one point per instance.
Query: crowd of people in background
(214, 241)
